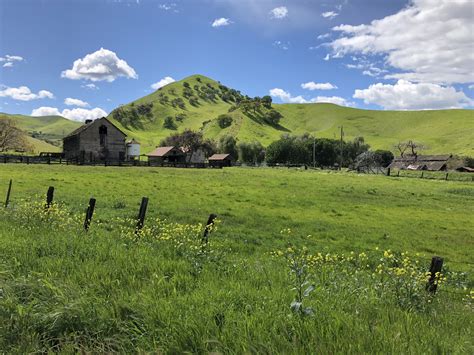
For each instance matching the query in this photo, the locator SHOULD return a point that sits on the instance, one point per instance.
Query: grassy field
(110, 290)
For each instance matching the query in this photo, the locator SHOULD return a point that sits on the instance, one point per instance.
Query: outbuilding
(166, 155)
(220, 160)
(421, 162)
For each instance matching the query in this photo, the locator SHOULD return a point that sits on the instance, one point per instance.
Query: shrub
(224, 120)
(169, 123)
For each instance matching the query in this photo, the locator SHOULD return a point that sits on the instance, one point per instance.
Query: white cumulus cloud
(405, 95)
(98, 66)
(90, 86)
(318, 86)
(286, 97)
(23, 93)
(75, 102)
(163, 82)
(427, 41)
(9, 60)
(76, 114)
(337, 100)
(279, 12)
(221, 22)
(329, 14)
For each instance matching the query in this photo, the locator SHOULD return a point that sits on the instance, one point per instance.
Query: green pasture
(109, 290)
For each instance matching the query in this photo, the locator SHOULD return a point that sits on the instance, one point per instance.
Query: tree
(169, 123)
(267, 102)
(273, 117)
(11, 137)
(412, 147)
(228, 145)
(190, 141)
(180, 117)
(224, 120)
(353, 149)
(383, 157)
(251, 153)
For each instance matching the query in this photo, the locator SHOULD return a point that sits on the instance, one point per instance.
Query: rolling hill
(44, 133)
(196, 101)
(441, 131)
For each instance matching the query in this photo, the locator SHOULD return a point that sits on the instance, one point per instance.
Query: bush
(273, 117)
(169, 123)
(383, 157)
(224, 120)
(251, 153)
(228, 145)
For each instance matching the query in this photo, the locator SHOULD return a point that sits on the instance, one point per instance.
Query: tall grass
(161, 290)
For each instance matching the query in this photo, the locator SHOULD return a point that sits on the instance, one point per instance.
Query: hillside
(45, 133)
(442, 131)
(196, 101)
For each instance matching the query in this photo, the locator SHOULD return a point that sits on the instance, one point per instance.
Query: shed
(421, 162)
(95, 140)
(221, 160)
(166, 155)
(465, 169)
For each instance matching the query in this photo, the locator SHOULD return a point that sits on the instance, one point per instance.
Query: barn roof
(163, 151)
(420, 162)
(220, 157)
(87, 125)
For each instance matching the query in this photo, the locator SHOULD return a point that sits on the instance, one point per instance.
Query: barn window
(102, 134)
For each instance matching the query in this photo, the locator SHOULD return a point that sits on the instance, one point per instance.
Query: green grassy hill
(44, 133)
(441, 131)
(196, 101)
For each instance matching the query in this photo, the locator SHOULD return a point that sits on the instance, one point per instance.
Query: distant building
(133, 149)
(194, 156)
(166, 155)
(95, 141)
(220, 160)
(421, 162)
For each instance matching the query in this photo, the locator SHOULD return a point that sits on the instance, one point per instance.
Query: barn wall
(86, 144)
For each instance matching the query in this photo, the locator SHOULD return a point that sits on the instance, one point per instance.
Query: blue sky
(363, 53)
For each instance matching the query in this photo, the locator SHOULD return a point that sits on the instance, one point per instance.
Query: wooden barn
(166, 155)
(96, 140)
(220, 160)
(421, 162)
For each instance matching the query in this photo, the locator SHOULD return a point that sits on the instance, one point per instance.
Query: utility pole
(342, 147)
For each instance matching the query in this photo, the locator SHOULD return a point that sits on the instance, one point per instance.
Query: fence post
(49, 197)
(141, 215)
(207, 230)
(398, 173)
(7, 201)
(436, 265)
(422, 173)
(446, 176)
(388, 171)
(89, 214)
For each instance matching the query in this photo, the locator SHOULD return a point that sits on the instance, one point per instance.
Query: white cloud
(10, 60)
(221, 22)
(168, 7)
(90, 86)
(324, 36)
(337, 100)
(279, 12)
(23, 93)
(75, 102)
(282, 45)
(163, 82)
(329, 14)
(45, 111)
(100, 65)
(428, 41)
(76, 114)
(471, 86)
(318, 86)
(286, 96)
(405, 95)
